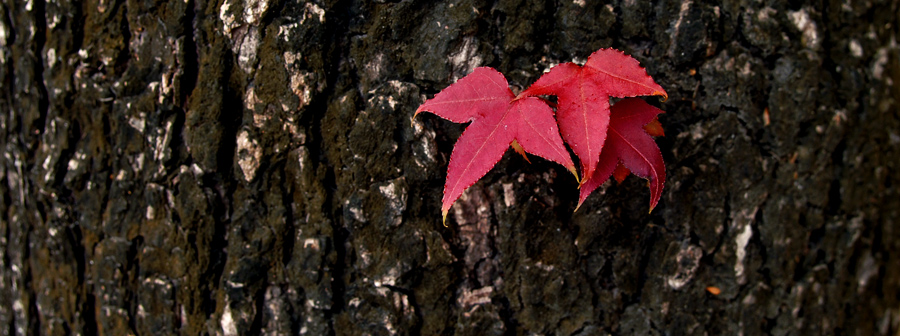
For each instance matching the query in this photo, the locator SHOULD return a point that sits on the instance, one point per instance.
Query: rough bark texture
(250, 166)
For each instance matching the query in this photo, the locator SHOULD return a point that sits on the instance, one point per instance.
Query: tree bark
(251, 166)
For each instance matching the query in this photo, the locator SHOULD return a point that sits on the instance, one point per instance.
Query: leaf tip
(654, 128)
(575, 173)
(444, 217)
(518, 148)
(665, 96)
(418, 110)
(620, 173)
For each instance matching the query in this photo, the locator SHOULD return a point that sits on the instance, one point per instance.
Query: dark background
(250, 166)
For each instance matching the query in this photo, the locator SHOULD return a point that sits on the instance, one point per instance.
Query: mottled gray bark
(250, 166)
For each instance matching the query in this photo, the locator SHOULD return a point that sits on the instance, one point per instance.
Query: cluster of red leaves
(608, 140)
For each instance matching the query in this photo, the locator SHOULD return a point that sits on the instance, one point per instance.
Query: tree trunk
(251, 166)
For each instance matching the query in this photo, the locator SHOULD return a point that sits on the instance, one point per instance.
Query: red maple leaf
(498, 119)
(606, 146)
(654, 128)
(630, 144)
(583, 94)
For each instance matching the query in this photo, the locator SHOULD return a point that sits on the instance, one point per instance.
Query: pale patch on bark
(466, 59)
(807, 26)
(249, 154)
